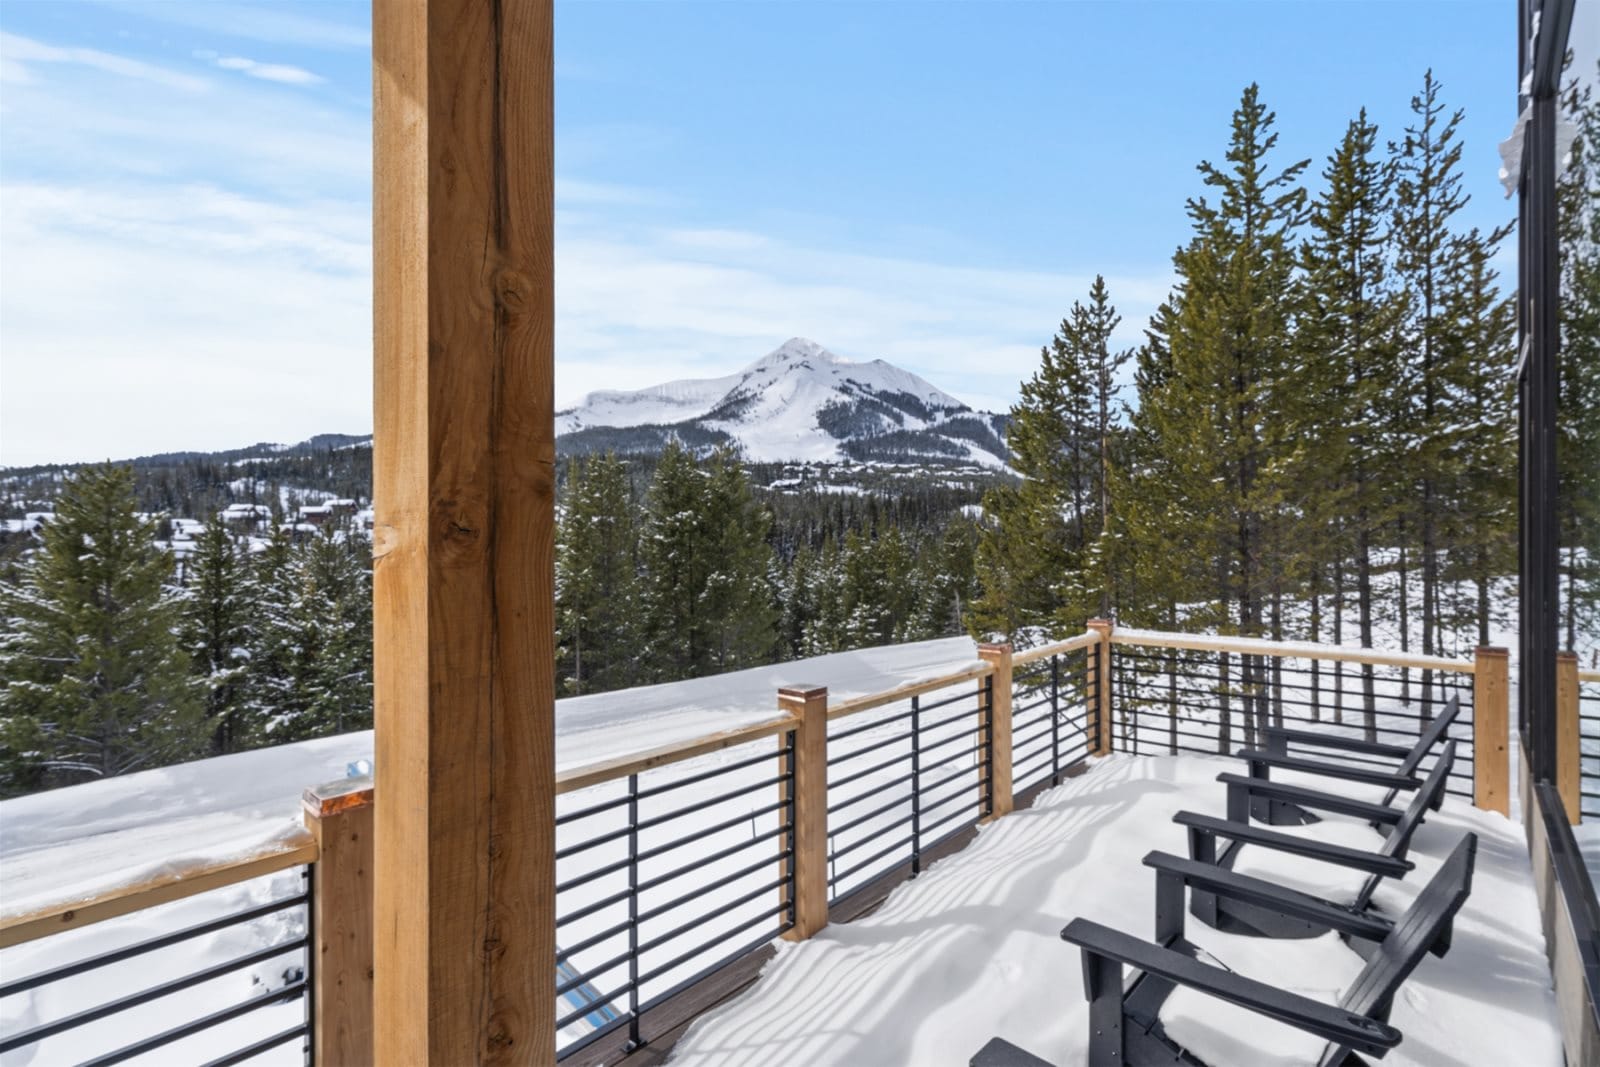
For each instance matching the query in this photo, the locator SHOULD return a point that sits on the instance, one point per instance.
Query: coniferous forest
(1314, 440)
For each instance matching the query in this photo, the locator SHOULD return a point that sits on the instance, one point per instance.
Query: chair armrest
(1258, 757)
(1344, 744)
(1314, 1017)
(1210, 878)
(1312, 798)
(1339, 855)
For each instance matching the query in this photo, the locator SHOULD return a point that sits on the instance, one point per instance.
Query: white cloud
(173, 318)
(649, 305)
(162, 317)
(272, 72)
(17, 53)
(268, 23)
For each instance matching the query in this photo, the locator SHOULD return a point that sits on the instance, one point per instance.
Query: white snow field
(971, 950)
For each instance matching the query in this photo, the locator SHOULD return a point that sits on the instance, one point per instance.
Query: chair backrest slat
(1398, 843)
(1430, 737)
(1413, 935)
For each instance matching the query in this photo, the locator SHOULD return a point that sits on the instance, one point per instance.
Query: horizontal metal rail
(45, 1037)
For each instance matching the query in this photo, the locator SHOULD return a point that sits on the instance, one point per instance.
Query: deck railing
(677, 867)
(1183, 693)
(1578, 692)
(136, 992)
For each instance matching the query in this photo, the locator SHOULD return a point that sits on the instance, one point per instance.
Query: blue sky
(184, 187)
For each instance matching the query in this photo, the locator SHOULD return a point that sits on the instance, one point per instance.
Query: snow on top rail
(1086, 639)
(1258, 646)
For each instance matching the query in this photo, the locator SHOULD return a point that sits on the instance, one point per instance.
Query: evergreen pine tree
(95, 683)
(216, 631)
(597, 560)
(1428, 196)
(1578, 427)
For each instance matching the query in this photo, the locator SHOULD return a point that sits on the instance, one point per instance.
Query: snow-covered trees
(706, 599)
(217, 626)
(311, 653)
(597, 578)
(95, 682)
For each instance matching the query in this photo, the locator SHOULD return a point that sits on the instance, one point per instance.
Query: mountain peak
(794, 351)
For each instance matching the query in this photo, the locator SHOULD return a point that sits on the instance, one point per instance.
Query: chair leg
(1102, 981)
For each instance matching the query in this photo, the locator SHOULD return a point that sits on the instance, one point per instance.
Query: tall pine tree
(95, 683)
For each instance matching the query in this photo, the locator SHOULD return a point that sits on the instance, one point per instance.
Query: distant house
(245, 517)
(299, 531)
(316, 514)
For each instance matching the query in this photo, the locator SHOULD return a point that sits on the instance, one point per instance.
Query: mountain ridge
(798, 403)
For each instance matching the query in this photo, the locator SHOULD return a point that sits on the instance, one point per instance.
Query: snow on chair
(1125, 1026)
(1400, 775)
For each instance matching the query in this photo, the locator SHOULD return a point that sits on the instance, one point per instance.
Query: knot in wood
(512, 289)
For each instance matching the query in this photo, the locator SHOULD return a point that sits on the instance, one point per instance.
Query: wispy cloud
(272, 72)
(18, 54)
(648, 303)
(267, 23)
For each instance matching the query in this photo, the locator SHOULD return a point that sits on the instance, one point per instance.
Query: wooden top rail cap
(1258, 646)
(907, 691)
(1086, 639)
(1589, 676)
(342, 794)
(802, 692)
(583, 777)
(291, 850)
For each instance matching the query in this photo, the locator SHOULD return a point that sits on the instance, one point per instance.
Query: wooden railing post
(996, 718)
(339, 816)
(1103, 686)
(808, 790)
(1568, 739)
(1491, 723)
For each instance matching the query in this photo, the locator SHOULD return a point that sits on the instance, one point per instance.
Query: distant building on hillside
(246, 518)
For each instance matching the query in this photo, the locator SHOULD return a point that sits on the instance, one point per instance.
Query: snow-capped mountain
(799, 403)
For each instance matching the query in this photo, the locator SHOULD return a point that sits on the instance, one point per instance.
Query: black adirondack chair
(1124, 1020)
(1221, 841)
(1397, 772)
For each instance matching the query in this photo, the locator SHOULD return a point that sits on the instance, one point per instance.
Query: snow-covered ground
(971, 949)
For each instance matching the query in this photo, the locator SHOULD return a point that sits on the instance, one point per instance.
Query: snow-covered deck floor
(971, 949)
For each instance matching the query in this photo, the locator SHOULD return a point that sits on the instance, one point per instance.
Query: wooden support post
(997, 720)
(464, 486)
(809, 791)
(1102, 713)
(1568, 740)
(339, 816)
(1491, 738)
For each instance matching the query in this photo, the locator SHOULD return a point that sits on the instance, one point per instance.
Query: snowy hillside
(798, 403)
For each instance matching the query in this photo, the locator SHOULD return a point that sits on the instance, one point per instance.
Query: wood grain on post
(996, 719)
(1568, 738)
(1104, 627)
(808, 790)
(340, 816)
(464, 487)
(1491, 723)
